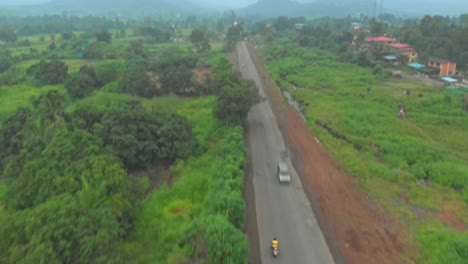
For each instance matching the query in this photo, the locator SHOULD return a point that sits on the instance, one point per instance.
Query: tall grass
(176, 220)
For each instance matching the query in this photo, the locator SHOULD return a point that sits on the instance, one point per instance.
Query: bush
(49, 72)
(107, 72)
(82, 83)
(136, 81)
(139, 138)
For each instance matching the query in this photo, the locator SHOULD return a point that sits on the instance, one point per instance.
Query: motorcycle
(275, 251)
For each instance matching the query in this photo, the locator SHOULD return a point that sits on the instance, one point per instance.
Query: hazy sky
(21, 2)
(230, 3)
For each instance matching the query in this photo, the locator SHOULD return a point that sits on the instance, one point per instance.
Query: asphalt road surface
(283, 210)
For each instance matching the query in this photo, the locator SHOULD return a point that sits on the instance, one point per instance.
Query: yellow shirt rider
(274, 243)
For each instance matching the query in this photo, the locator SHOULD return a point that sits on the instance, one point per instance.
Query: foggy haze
(215, 3)
(254, 8)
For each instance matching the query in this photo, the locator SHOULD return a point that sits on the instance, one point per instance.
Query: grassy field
(176, 212)
(412, 165)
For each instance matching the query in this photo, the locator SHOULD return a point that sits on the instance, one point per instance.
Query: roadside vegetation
(120, 143)
(415, 167)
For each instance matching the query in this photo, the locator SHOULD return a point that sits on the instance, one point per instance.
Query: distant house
(446, 67)
(382, 39)
(356, 26)
(404, 49)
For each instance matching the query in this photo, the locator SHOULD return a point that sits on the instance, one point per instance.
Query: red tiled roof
(381, 38)
(401, 46)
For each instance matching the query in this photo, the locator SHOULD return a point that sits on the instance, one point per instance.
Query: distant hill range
(342, 8)
(261, 9)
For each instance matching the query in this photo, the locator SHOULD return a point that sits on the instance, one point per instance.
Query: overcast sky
(21, 2)
(229, 3)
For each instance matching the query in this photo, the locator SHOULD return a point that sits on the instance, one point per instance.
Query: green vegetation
(423, 156)
(198, 214)
(106, 160)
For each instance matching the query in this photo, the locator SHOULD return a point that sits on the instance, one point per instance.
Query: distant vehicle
(283, 173)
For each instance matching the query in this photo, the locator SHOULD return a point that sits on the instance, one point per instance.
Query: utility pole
(381, 8)
(375, 8)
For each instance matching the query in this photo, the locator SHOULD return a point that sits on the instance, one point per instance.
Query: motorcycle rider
(274, 243)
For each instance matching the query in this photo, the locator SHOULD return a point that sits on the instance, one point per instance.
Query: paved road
(283, 211)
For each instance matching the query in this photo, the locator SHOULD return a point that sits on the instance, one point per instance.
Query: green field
(421, 159)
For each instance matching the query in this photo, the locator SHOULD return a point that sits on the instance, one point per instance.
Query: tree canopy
(83, 83)
(140, 138)
(49, 72)
(234, 102)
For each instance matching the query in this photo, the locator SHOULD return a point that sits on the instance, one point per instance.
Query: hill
(342, 8)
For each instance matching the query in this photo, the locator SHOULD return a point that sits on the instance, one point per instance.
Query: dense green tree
(11, 134)
(85, 115)
(135, 81)
(100, 50)
(48, 116)
(234, 102)
(104, 36)
(6, 60)
(156, 34)
(139, 138)
(107, 72)
(49, 72)
(52, 46)
(136, 50)
(175, 56)
(199, 40)
(69, 35)
(51, 105)
(65, 159)
(7, 34)
(223, 72)
(176, 80)
(234, 34)
(12, 76)
(82, 83)
(377, 28)
(61, 230)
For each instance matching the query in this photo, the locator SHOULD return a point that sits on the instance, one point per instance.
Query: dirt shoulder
(356, 230)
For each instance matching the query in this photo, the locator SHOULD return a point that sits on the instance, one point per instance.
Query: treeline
(57, 24)
(437, 36)
(47, 24)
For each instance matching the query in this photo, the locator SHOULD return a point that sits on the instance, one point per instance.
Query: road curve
(283, 211)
